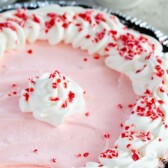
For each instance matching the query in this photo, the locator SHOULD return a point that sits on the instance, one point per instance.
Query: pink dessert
(102, 106)
(81, 137)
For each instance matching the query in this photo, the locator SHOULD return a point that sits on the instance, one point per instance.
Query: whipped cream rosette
(51, 97)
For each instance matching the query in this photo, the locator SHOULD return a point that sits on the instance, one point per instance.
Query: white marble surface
(154, 12)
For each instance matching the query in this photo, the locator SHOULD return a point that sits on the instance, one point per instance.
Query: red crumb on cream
(53, 160)
(86, 154)
(35, 150)
(30, 51)
(87, 114)
(85, 59)
(106, 136)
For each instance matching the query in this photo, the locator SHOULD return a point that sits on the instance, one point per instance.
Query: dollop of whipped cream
(52, 97)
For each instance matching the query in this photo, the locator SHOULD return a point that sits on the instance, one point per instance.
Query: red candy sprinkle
(32, 81)
(159, 61)
(120, 106)
(29, 51)
(131, 46)
(64, 105)
(54, 85)
(86, 154)
(54, 99)
(111, 45)
(14, 92)
(14, 85)
(159, 71)
(128, 145)
(149, 108)
(80, 29)
(100, 36)
(128, 134)
(51, 15)
(96, 57)
(21, 14)
(65, 85)
(106, 136)
(106, 49)
(87, 36)
(29, 90)
(113, 32)
(35, 150)
(109, 153)
(78, 155)
(54, 160)
(140, 70)
(86, 16)
(87, 114)
(26, 95)
(36, 19)
(58, 80)
(7, 25)
(161, 90)
(85, 59)
(65, 25)
(71, 96)
(147, 92)
(49, 24)
(121, 125)
(130, 105)
(135, 157)
(160, 101)
(144, 136)
(116, 146)
(127, 127)
(99, 18)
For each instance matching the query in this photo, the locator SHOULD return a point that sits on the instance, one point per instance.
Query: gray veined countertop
(154, 12)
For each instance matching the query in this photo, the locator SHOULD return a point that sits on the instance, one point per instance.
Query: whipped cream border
(140, 57)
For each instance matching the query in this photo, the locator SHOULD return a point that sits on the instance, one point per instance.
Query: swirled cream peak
(52, 97)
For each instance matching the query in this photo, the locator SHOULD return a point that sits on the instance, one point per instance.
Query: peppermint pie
(80, 89)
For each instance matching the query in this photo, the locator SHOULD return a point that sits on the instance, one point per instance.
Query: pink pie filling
(81, 138)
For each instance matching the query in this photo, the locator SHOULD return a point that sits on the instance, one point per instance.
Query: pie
(80, 89)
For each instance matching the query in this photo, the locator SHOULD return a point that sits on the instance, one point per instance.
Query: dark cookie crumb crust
(163, 163)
